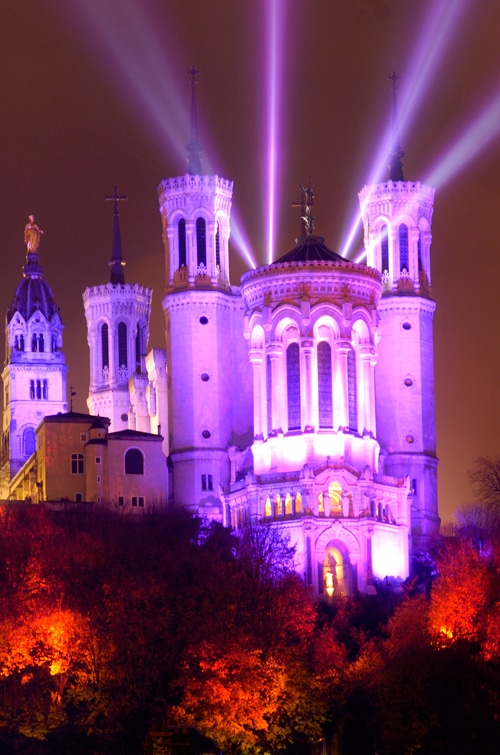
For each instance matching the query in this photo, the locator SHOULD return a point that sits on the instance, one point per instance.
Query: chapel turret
(397, 217)
(34, 376)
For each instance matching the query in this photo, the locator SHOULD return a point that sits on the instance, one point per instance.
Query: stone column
(341, 415)
(256, 362)
(307, 345)
(191, 253)
(274, 352)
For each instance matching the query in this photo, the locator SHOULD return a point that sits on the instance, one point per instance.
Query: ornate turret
(210, 397)
(117, 317)
(195, 212)
(34, 376)
(397, 217)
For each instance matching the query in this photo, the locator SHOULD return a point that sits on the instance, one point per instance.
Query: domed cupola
(308, 249)
(311, 324)
(33, 319)
(33, 293)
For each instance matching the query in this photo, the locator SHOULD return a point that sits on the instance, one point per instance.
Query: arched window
(419, 252)
(384, 248)
(138, 349)
(34, 342)
(45, 389)
(77, 464)
(403, 248)
(325, 384)
(122, 345)
(29, 441)
(134, 461)
(41, 343)
(293, 385)
(352, 390)
(217, 247)
(201, 242)
(181, 230)
(269, 391)
(105, 346)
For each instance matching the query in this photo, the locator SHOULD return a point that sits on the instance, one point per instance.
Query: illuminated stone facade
(34, 376)
(305, 397)
(77, 459)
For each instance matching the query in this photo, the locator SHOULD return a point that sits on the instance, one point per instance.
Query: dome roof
(308, 248)
(32, 294)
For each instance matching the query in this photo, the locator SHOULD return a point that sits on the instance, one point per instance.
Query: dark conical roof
(396, 154)
(194, 147)
(117, 262)
(308, 248)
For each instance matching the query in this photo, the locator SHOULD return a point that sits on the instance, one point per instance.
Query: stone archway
(338, 553)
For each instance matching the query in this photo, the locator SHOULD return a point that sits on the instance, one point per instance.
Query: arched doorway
(337, 571)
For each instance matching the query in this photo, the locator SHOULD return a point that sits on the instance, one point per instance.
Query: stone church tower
(34, 376)
(117, 315)
(397, 217)
(206, 350)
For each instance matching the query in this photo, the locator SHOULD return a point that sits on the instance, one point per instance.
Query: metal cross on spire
(396, 153)
(117, 262)
(194, 147)
(115, 198)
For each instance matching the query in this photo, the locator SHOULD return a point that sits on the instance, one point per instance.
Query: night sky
(90, 101)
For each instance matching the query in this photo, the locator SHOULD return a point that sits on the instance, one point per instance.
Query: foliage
(485, 479)
(104, 619)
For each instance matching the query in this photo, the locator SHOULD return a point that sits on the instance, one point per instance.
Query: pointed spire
(396, 154)
(117, 262)
(194, 147)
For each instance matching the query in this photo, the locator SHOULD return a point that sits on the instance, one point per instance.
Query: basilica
(302, 397)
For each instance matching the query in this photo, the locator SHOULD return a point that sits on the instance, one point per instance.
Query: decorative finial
(396, 153)
(32, 234)
(194, 147)
(117, 262)
(306, 204)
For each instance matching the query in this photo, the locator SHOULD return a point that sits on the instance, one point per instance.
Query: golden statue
(32, 234)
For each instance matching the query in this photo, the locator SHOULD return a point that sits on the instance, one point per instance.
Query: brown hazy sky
(71, 127)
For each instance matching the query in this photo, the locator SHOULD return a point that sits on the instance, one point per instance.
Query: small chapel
(303, 397)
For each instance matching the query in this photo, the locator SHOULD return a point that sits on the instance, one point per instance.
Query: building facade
(304, 397)
(78, 460)
(34, 375)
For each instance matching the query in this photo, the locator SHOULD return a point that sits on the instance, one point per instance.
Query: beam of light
(240, 239)
(471, 143)
(133, 45)
(275, 31)
(134, 40)
(429, 50)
